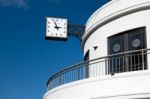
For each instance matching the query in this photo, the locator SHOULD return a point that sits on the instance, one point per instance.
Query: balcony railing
(109, 65)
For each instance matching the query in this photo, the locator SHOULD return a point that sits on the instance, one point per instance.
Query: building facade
(116, 53)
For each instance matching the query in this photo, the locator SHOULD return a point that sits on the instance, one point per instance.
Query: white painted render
(120, 86)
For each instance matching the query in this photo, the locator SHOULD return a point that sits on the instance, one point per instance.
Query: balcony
(130, 61)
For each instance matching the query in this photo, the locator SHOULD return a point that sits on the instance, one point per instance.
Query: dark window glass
(137, 39)
(127, 41)
(116, 45)
(86, 58)
(86, 65)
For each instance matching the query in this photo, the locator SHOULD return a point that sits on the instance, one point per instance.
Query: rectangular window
(123, 42)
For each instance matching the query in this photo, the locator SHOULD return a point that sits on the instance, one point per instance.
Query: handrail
(81, 70)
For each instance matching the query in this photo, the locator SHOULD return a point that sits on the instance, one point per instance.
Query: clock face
(56, 28)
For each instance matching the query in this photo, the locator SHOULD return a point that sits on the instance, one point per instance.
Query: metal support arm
(76, 30)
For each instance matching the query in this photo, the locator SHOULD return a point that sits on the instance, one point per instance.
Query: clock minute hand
(56, 25)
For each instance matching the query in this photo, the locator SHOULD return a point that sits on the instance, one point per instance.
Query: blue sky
(27, 60)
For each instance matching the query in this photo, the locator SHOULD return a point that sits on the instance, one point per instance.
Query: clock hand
(56, 25)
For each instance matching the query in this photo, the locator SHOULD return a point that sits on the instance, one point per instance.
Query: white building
(116, 46)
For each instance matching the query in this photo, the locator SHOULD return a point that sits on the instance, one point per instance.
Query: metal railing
(109, 65)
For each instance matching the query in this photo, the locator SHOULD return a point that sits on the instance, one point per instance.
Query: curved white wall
(113, 9)
(128, 22)
(99, 37)
(120, 86)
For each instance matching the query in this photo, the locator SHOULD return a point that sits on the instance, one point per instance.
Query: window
(127, 41)
(86, 59)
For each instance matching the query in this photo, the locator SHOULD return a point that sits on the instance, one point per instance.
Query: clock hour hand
(57, 27)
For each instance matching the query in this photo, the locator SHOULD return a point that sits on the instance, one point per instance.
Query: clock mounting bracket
(76, 31)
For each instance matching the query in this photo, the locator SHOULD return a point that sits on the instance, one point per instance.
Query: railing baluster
(142, 60)
(112, 66)
(96, 69)
(78, 73)
(105, 66)
(138, 63)
(116, 63)
(120, 68)
(130, 64)
(87, 70)
(59, 78)
(134, 63)
(124, 68)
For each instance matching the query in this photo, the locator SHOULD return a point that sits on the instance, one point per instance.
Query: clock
(56, 28)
